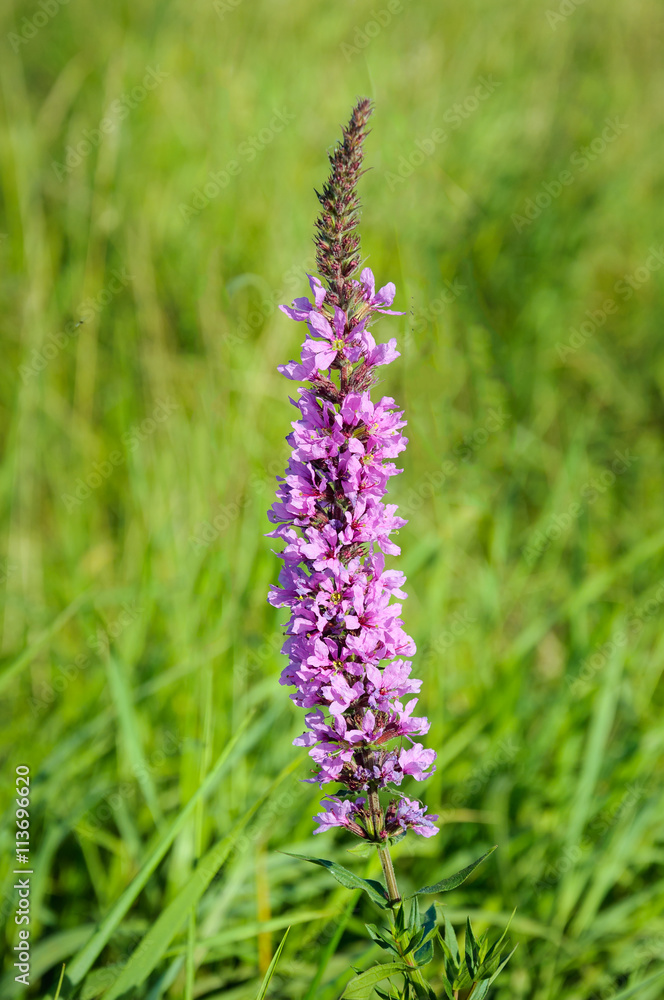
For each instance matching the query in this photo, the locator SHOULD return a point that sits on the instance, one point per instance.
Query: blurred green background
(157, 167)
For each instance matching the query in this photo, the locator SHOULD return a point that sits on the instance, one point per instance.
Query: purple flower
(345, 641)
(303, 307)
(416, 760)
(377, 300)
(339, 812)
(407, 814)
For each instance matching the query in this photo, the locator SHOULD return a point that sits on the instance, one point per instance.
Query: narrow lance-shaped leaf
(147, 955)
(361, 988)
(348, 879)
(272, 966)
(453, 880)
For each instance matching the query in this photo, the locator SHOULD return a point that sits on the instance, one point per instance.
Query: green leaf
(451, 939)
(348, 879)
(397, 837)
(472, 950)
(502, 966)
(148, 954)
(424, 954)
(415, 941)
(57, 992)
(361, 988)
(453, 880)
(414, 918)
(429, 922)
(449, 993)
(272, 966)
(423, 992)
(382, 938)
(86, 957)
(329, 949)
(99, 980)
(399, 920)
(632, 991)
(129, 728)
(362, 849)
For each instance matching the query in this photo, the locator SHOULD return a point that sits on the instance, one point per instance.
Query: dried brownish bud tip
(337, 243)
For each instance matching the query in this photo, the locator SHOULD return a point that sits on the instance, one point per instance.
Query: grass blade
(84, 960)
(152, 948)
(272, 966)
(130, 729)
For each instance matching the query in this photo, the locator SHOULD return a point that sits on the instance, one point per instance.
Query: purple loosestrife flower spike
(346, 646)
(337, 244)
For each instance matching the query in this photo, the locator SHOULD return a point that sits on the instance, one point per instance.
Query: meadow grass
(140, 450)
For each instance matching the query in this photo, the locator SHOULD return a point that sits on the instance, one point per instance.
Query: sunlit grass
(141, 449)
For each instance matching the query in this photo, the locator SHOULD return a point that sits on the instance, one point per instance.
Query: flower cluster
(401, 816)
(346, 646)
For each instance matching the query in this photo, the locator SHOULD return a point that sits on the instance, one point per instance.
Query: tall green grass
(140, 457)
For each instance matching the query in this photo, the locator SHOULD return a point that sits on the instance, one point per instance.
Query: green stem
(378, 823)
(388, 872)
(395, 897)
